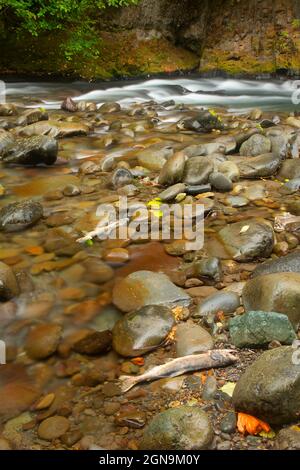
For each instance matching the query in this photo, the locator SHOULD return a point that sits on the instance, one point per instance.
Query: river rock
(140, 331)
(154, 158)
(256, 145)
(220, 182)
(294, 122)
(230, 170)
(31, 151)
(30, 116)
(95, 342)
(147, 288)
(209, 389)
(208, 268)
(97, 271)
(205, 121)
(288, 439)
(248, 240)
(263, 165)
(269, 389)
(20, 215)
(8, 109)
(291, 186)
(9, 287)
(121, 177)
(198, 189)
(277, 292)
(197, 170)
(285, 264)
(257, 328)
(56, 129)
(42, 340)
(172, 171)
(290, 169)
(182, 428)
(226, 302)
(53, 428)
(6, 139)
(69, 105)
(110, 107)
(192, 339)
(170, 193)
(107, 319)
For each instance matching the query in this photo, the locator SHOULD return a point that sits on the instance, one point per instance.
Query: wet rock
(172, 171)
(42, 340)
(237, 201)
(30, 116)
(53, 428)
(248, 240)
(254, 192)
(86, 106)
(263, 165)
(192, 339)
(205, 121)
(182, 428)
(69, 105)
(89, 168)
(147, 288)
(290, 169)
(294, 122)
(210, 388)
(95, 342)
(291, 186)
(140, 331)
(170, 193)
(20, 215)
(288, 439)
(208, 268)
(198, 189)
(257, 329)
(32, 151)
(256, 145)
(286, 264)
(97, 271)
(71, 190)
(121, 177)
(132, 419)
(154, 158)
(9, 287)
(278, 292)
(230, 170)
(220, 182)
(8, 109)
(61, 243)
(226, 302)
(197, 171)
(269, 388)
(110, 107)
(228, 423)
(255, 114)
(107, 318)
(6, 139)
(56, 129)
(279, 142)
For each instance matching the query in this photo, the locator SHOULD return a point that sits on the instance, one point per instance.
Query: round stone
(53, 428)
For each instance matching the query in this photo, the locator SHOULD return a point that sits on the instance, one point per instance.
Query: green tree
(38, 16)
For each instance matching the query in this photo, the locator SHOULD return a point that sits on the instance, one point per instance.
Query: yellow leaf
(245, 228)
(267, 435)
(228, 388)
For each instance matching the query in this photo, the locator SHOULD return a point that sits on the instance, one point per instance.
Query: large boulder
(270, 388)
(257, 329)
(277, 292)
(31, 151)
(147, 288)
(182, 428)
(248, 240)
(141, 331)
(192, 339)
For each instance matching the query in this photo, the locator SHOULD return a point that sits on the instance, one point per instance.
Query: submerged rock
(154, 158)
(31, 151)
(9, 287)
(257, 328)
(226, 302)
(248, 240)
(147, 288)
(277, 292)
(182, 428)
(269, 389)
(20, 215)
(56, 129)
(140, 331)
(42, 340)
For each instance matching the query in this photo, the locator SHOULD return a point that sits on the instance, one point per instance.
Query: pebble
(53, 428)
(42, 341)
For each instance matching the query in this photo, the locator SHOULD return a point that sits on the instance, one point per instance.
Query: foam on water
(236, 94)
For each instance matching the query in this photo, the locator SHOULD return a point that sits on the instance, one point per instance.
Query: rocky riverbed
(78, 312)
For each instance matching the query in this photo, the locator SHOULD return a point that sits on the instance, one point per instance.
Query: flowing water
(69, 284)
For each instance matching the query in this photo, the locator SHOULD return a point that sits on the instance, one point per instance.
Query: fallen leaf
(34, 250)
(228, 388)
(138, 361)
(267, 435)
(248, 424)
(245, 228)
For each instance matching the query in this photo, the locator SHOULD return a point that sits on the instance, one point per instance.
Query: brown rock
(53, 427)
(42, 341)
